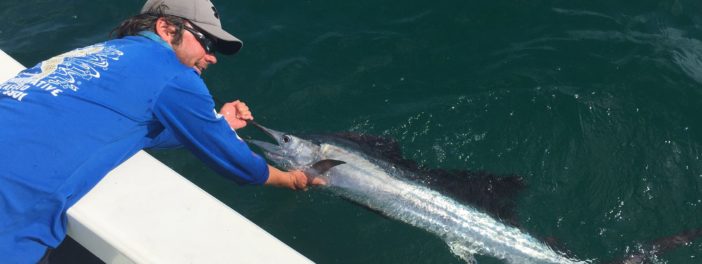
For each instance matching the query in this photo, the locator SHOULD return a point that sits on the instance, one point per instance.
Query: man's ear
(164, 30)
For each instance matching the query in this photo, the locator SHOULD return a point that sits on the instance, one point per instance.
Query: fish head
(289, 152)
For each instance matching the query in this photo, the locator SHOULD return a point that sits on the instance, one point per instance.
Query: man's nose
(210, 58)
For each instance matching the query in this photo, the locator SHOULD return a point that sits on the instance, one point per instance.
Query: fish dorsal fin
(386, 148)
(322, 166)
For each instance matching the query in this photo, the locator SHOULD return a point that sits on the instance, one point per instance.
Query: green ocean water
(597, 104)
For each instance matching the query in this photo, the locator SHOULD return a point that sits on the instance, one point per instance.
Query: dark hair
(147, 21)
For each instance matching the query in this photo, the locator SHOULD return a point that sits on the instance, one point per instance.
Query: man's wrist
(291, 181)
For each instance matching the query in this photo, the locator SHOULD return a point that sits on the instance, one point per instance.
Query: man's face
(191, 51)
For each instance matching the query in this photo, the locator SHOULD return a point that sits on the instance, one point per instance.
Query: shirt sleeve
(164, 140)
(186, 110)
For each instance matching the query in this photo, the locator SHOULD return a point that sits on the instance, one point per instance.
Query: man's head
(202, 15)
(192, 28)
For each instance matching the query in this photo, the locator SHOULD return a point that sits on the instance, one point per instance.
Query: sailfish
(472, 217)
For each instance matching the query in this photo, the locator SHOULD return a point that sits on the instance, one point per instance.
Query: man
(69, 120)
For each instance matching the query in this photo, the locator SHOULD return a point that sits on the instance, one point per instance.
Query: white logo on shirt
(63, 72)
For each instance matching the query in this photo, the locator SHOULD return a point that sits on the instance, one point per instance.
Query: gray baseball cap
(202, 14)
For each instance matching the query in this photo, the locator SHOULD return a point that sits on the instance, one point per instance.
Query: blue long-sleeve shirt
(68, 121)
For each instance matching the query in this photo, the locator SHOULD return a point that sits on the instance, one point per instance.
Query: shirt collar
(151, 35)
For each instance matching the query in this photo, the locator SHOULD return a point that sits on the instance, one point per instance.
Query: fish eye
(286, 139)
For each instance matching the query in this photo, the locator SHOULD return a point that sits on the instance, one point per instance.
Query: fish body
(380, 186)
(384, 187)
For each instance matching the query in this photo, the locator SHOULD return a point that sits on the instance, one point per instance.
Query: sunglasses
(206, 43)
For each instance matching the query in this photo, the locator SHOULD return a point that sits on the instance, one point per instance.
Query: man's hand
(236, 113)
(296, 180)
(301, 181)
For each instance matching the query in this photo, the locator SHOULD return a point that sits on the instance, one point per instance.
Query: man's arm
(185, 108)
(182, 108)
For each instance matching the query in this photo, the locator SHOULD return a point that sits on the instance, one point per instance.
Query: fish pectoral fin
(322, 166)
